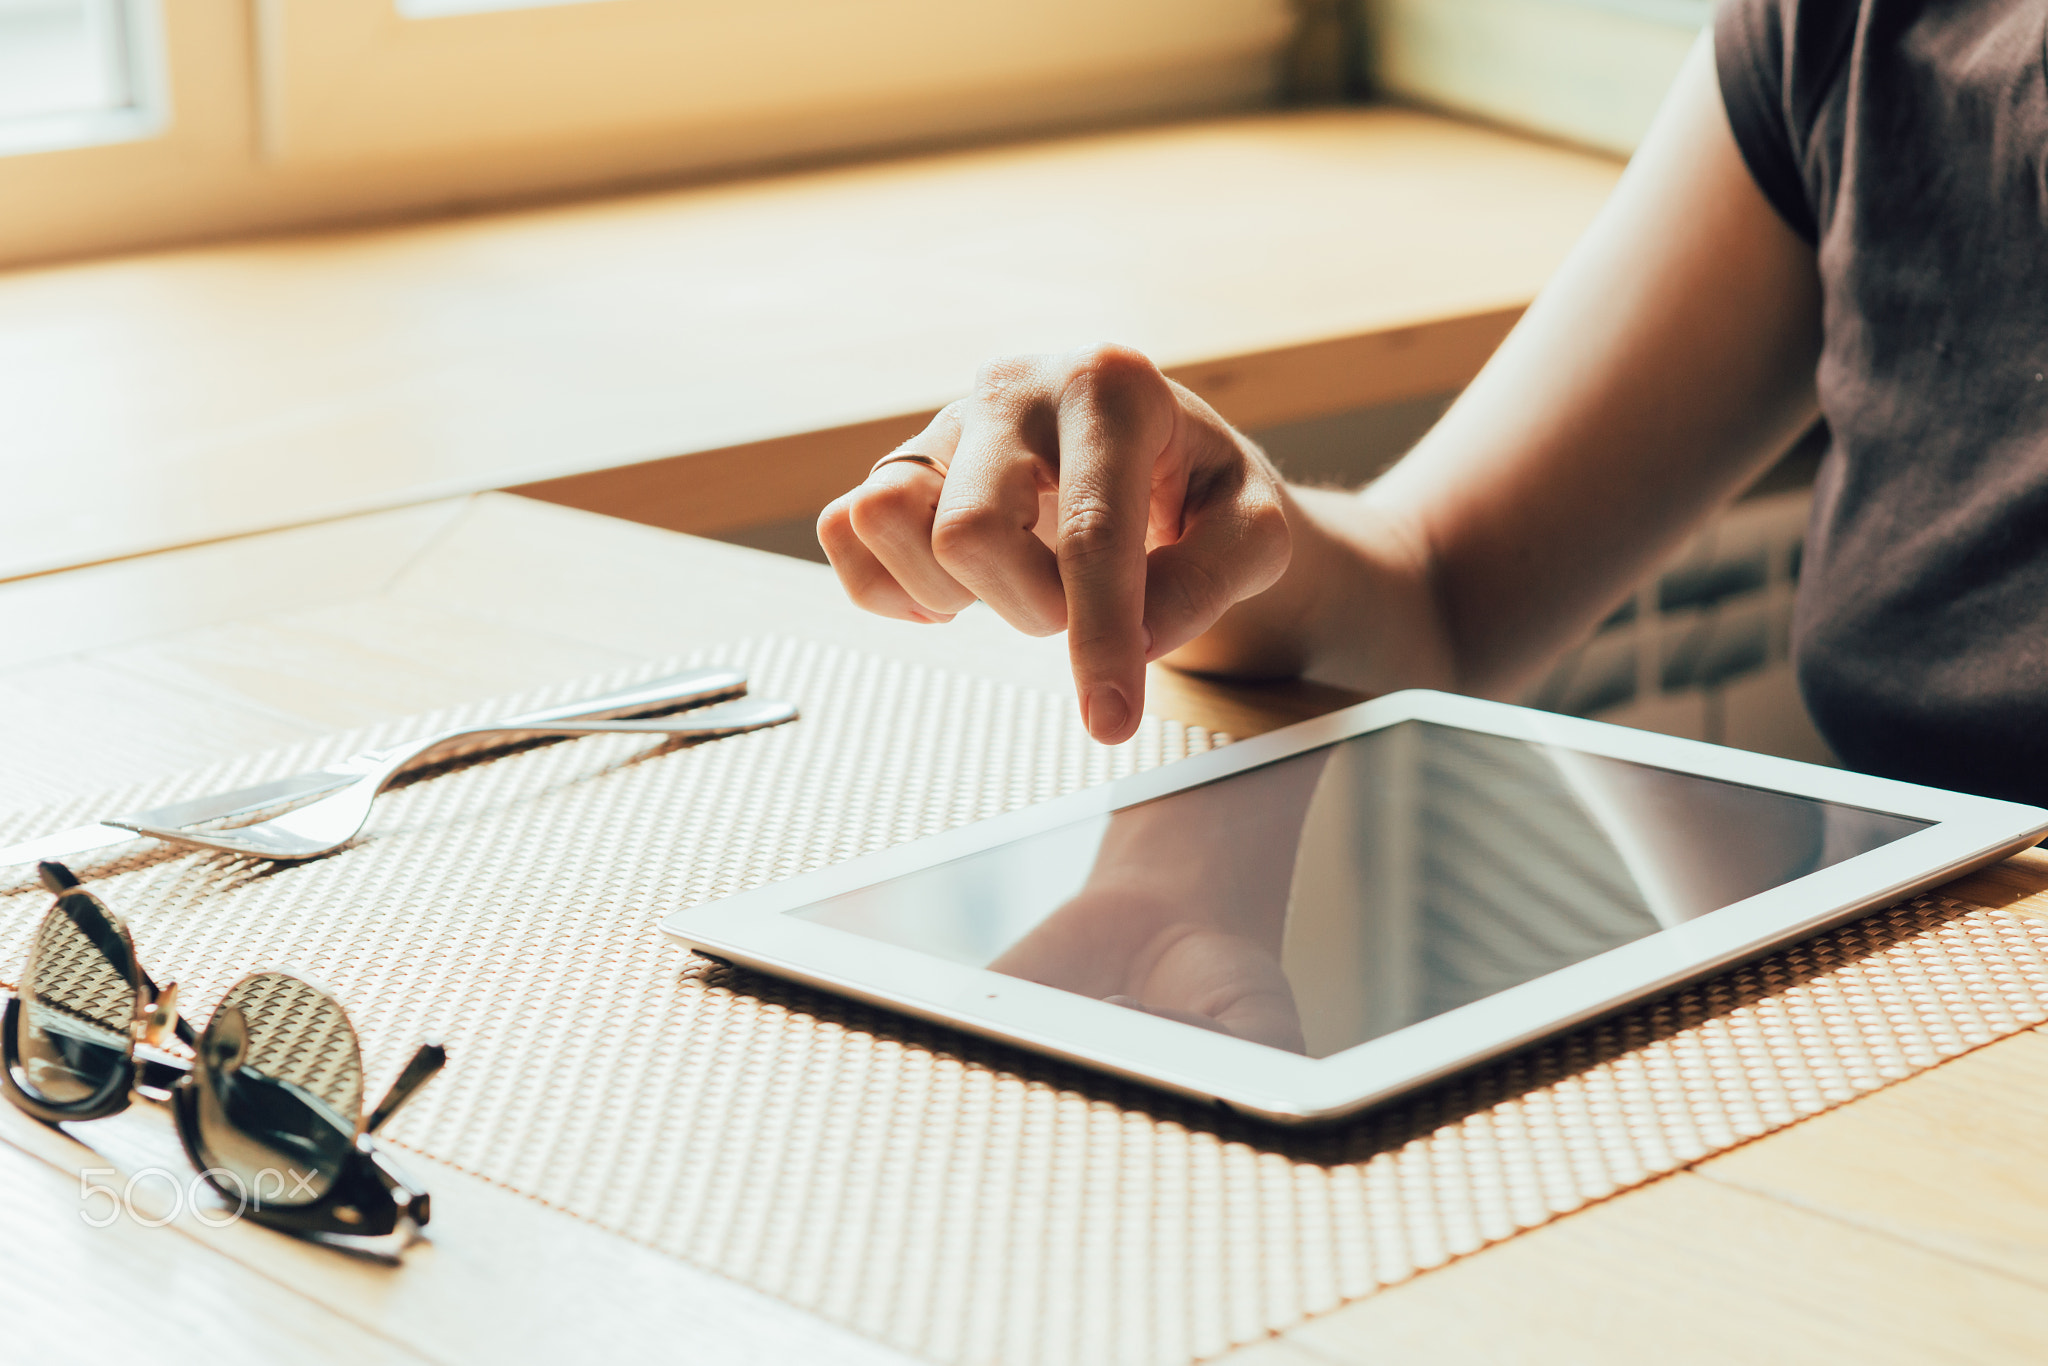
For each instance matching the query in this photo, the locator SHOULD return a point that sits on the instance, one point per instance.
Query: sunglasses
(271, 1108)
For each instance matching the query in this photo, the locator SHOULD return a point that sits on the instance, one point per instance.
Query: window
(267, 113)
(1590, 71)
(736, 82)
(77, 72)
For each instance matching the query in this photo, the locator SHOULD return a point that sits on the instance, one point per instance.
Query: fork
(323, 826)
(651, 697)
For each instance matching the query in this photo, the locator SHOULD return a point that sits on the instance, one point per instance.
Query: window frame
(144, 115)
(1591, 72)
(356, 79)
(286, 113)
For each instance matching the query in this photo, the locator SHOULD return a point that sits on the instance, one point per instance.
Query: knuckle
(1264, 534)
(1267, 525)
(1088, 531)
(995, 380)
(835, 527)
(834, 516)
(942, 434)
(1113, 366)
(883, 505)
(962, 535)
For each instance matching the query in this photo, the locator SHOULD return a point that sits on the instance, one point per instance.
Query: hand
(1086, 493)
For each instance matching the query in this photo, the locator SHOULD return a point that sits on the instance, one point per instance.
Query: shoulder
(1778, 62)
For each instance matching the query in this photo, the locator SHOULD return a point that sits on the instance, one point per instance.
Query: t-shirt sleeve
(1754, 53)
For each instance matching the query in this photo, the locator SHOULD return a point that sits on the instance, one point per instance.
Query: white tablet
(1305, 923)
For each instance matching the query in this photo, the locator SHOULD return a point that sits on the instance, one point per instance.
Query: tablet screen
(1323, 900)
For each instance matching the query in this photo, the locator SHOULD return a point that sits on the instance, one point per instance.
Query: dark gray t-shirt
(1908, 141)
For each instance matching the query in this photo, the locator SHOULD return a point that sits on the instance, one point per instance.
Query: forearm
(1667, 363)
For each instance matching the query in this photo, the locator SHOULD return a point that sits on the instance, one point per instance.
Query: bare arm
(1668, 362)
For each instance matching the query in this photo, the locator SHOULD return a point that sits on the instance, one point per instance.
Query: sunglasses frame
(147, 1016)
(368, 1198)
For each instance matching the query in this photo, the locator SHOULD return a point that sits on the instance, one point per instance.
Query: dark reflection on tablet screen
(1324, 900)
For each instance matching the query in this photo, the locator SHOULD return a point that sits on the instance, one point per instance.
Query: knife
(686, 689)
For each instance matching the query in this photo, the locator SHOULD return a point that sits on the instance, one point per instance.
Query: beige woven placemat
(964, 1201)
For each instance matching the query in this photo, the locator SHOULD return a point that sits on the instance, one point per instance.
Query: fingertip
(1108, 714)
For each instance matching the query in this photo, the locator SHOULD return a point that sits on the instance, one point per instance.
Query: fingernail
(930, 618)
(1104, 711)
(1148, 643)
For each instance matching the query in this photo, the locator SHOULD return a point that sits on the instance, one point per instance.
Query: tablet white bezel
(753, 928)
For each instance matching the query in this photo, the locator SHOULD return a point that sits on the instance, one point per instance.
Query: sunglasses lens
(281, 1090)
(78, 996)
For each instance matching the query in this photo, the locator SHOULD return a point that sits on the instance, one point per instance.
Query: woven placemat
(964, 1201)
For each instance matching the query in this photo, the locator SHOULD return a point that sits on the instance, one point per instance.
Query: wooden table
(1909, 1226)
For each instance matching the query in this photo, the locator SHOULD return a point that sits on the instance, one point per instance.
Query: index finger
(1116, 418)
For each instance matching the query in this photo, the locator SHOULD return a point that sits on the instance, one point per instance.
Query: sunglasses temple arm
(90, 918)
(185, 1033)
(431, 1058)
(160, 1073)
(56, 877)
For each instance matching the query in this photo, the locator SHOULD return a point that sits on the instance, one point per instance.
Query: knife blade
(687, 689)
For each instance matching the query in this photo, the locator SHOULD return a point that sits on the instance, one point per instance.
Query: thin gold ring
(931, 462)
